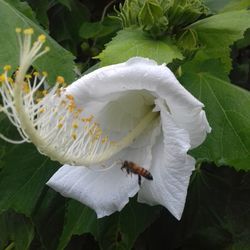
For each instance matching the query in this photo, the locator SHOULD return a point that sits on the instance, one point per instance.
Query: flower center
(51, 119)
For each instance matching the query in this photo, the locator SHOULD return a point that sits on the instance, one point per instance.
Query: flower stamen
(52, 119)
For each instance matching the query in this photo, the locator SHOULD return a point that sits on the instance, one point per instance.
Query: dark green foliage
(208, 46)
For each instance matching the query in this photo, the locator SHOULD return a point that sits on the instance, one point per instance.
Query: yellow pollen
(26, 88)
(7, 68)
(70, 97)
(41, 110)
(88, 119)
(105, 139)
(28, 76)
(45, 74)
(41, 38)
(18, 30)
(2, 78)
(60, 125)
(38, 100)
(47, 48)
(29, 31)
(60, 80)
(35, 73)
(75, 125)
(45, 92)
(10, 80)
(58, 92)
(74, 136)
(71, 107)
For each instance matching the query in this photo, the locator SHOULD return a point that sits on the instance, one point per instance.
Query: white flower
(135, 111)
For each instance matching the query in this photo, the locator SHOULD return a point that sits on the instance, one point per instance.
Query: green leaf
(23, 173)
(133, 42)
(23, 178)
(57, 62)
(41, 8)
(48, 218)
(227, 5)
(66, 3)
(117, 231)
(15, 230)
(218, 32)
(236, 5)
(215, 5)
(227, 108)
(120, 230)
(217, 211)
(95, 30)
(65, 24)
(79, 219)
(23, 7)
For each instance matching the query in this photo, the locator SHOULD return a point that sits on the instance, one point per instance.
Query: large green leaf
(118, 231)
(227, 107)
(57, 62)
(23, 173)
(217, 211)
(216, 214)
(134, 42)
(16, 231)
(218, 32)
(79, 219)
(23, 178)
(48, 218)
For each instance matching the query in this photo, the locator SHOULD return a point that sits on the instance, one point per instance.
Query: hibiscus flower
(136, 111)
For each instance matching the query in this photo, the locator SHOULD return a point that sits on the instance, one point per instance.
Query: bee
(133, 168)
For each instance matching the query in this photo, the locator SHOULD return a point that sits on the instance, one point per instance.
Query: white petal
(144, 74)
(120, 116)
(104, 191)
(171, 169)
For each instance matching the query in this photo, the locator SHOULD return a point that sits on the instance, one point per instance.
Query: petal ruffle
(171, 168)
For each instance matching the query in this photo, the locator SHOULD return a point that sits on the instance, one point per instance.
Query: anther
(7, 68)
(29, 31)
(60, 80)
(41, 38)
(70, 97)
(75, 125)
(45, 74)
(74, 136)
(10, 80)
(18, 30)
(28, 76)
(2, 78)
(60, 125)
